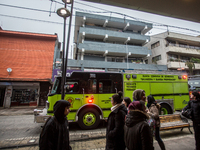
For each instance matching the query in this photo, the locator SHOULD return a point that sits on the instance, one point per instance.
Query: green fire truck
(90, 93)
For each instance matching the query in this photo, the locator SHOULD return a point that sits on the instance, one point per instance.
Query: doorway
(2, 95)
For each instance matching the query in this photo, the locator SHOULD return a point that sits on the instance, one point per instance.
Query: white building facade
(174, 50)
(110, 44)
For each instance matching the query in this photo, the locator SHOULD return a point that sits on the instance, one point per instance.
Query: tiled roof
(29, 55)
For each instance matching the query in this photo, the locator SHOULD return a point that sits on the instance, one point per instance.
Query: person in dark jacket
(153, 112)
(55, 134)
(195, 105)
(115, 127)
(137, 133)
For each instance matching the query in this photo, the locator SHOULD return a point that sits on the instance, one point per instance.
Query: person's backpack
(152, 123)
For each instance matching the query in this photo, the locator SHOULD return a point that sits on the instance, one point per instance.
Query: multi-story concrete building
(110, 44)
(174, 50)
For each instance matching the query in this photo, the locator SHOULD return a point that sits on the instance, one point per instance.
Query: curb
(18, 146)
(37, 144)
(16, 114)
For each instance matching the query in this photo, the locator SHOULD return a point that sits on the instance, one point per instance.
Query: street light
(63, 12)
(69, 30)
(67, 1)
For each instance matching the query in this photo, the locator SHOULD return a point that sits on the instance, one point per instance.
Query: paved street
(12, 127)
(19, 132)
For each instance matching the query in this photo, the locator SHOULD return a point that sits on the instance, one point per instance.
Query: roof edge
(24, 79)
(7, 32)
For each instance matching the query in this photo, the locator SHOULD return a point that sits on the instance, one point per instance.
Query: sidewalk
(18, 110)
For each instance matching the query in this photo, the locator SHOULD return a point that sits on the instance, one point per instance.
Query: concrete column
(7, 98)
(177, 43)
(82, 68)
(105, 23)
(82, 54)
(106, 58)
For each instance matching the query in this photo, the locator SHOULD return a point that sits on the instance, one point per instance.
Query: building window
(155, 45)
(24, 96)
(171, 43)
(184, 58)
(114, 59)
(72, 87)
(183, 45)
(156, 58)
(172, 57)
(105, 86)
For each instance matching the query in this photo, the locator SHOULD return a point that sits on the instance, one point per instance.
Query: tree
(190, 66)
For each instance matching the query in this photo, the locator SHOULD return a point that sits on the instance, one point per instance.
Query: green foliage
(177, 60)
(190, 66)
(195, 60)
(138, 61)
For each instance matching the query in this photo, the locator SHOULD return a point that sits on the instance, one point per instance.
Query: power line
(33, 19)
(68, 24)
(26, 8)
(179, 28)
(105, 11)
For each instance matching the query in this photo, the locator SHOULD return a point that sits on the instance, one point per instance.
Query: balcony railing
(184, 46)
(180, 60)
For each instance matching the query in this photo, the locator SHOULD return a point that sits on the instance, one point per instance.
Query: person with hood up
(138, 95)
(153, 112)
(194, 104)
(137, 133)
(55, 134)
(115, 127)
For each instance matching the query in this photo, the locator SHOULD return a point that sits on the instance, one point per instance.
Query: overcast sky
(38, 19)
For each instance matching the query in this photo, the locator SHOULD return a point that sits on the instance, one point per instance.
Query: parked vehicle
(90, 93)
(194, 83)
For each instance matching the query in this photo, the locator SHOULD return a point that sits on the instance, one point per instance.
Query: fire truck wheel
(89, 118)
(165, 109)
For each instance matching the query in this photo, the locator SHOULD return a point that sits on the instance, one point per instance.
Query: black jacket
(55, 136)
(137, 133)
(195, 105)
(115, 129)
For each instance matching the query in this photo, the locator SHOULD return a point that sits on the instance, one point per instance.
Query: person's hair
(150, 101)
(127, 100)
(196, 94)
(117, 97)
